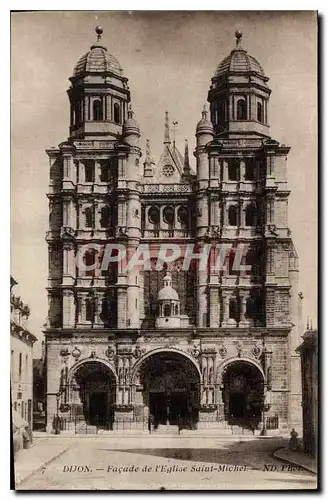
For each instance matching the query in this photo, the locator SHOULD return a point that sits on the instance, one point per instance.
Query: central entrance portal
(171, 389)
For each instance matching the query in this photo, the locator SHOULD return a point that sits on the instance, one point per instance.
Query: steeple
(149, 161)
(167, 138)
(186, 164)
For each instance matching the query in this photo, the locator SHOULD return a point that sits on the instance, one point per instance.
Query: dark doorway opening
(98, 408)
(243, 393)
(171, 389)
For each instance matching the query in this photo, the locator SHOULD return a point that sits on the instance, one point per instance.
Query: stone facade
(236, 325)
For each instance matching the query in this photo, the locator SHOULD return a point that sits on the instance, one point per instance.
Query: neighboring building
(202, 346)
(39, 391)
(309, 362)
(21, 363)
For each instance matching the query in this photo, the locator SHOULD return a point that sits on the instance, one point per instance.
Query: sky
(169, 59)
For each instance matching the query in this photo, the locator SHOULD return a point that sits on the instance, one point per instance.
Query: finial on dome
(99, 32)
(130, 112)
(238, 35)
(204, 112)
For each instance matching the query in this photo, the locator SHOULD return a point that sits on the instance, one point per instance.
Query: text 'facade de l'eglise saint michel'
(198, 346)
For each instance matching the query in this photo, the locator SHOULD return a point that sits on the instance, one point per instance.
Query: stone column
(97, 171)
(68, 309)
(98, 323)
(225, 300)
(81, 173)
(242, 170)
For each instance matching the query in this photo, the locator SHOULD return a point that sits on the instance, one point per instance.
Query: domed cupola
(239, 95)
(204, 129)
(168, 305)
(99, 94)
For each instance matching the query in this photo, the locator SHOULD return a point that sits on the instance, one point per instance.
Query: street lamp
(57, 429)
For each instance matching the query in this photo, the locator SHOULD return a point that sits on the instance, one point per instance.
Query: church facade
(190, 345)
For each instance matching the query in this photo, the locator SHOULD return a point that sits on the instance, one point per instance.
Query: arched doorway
(93, 394)
(243, 394)
(170, 389)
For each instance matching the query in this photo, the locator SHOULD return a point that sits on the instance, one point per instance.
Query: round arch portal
(92, 392)
(168, 388)
(242, 385)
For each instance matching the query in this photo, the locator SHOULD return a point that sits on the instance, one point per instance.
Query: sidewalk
(297, 458)
(27, 462)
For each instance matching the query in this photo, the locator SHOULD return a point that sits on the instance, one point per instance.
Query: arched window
(176, 310)
(117, 113)
(97, 110)
(168, 215)
(251, 215)
(167, 310)
(241, 109)
(183, 215)
(89, 310)
(259, 112)
(233, 169)
(233, 215)
(154, 215)
(78, 113)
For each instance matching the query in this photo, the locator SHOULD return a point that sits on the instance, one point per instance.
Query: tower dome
(98, 60)
(99, 95)
(239, 61)
(168, 306)
(167, 292)
(239, 95)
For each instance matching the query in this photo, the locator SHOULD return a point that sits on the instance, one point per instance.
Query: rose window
(168, 170)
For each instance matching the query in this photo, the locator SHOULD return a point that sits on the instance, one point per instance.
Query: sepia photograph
(163, 290)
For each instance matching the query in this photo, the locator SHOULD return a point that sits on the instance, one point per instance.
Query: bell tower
(98, 95)
(239, 95)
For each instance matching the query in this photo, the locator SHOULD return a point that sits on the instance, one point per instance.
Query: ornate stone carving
(223, 351)
(195, 351)
(138, 352)
(239, 349)
(76, 353)
(64, 352)
(110, 353)
(256, 351)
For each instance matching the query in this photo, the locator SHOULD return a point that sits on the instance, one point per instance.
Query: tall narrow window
(250, 169)
(20, 364)
(90, 260)
(89, 310)
(97, 110)
(89, 169)
(78, 113)
(259, 112)
(233, 215)
(105, 217)
(241, 109)
(233, 170)
(251, 215)
(88, 217)
(233, 309)
(117, 113)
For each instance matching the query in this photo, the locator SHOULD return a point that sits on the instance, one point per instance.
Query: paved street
(113, 463)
